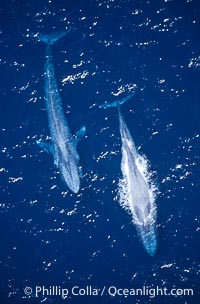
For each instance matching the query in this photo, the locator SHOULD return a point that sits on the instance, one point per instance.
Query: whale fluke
(51, 38)
(116, 103)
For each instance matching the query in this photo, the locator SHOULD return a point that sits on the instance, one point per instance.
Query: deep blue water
(50, 236)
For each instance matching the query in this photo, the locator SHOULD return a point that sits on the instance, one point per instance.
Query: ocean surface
(51, 237)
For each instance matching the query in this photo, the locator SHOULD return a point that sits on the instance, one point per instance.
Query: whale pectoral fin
(79, 135)
(45, 146)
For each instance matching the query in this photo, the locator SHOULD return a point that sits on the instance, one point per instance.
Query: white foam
(124, 196)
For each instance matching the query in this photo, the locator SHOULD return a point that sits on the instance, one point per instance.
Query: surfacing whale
(136, 194)
(63, 145)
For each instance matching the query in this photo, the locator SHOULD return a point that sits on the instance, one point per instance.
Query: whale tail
(116, 103)
(50, 39)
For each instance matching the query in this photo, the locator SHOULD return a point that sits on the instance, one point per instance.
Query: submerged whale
(63, 145)
(137, 194)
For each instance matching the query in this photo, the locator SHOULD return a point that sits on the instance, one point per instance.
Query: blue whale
(63, 145)
(137, 193)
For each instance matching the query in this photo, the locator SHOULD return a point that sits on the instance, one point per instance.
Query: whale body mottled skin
(63, 144)
(139, 202)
